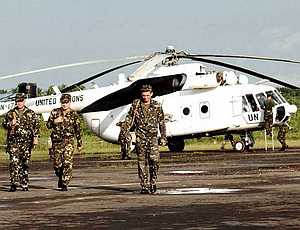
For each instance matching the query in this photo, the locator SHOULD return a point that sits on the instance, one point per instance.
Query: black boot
(144, 190)
(284, 148)
(152, 188)
(13, 188)
(60, 182)
(64, 187)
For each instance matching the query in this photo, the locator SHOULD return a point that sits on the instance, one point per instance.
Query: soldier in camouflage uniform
(147, 116)
(22, 126)
(282, 131)
(125, 140)
(65, 126)
(268, 114)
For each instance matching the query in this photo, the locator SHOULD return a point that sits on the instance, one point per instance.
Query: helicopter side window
(204, 109)
(274, 96)
(245, 105)
(261, 99)
(252, 102)
(280, 96)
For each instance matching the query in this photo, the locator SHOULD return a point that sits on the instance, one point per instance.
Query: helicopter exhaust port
(29, 89)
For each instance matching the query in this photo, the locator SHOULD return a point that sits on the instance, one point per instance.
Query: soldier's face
(146, 96)
(65, 105)
(20, 104)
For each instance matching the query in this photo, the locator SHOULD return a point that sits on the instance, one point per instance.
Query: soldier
(147, 115)
(125, 140)
(65, 126)
(227, 137)
(282, 131)
(268, 114)
(22, 126)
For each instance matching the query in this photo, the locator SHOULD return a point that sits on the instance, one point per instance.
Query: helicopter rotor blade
(71, 65)
(161, 86)
(246, 57)
(241, 69)
(73, 86)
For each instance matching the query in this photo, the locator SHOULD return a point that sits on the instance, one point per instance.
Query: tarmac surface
(196, 190)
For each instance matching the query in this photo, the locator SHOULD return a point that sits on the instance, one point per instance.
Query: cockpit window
(274, 96)
(280, 96)
(245, 105)
(252, 102)
(261, 97)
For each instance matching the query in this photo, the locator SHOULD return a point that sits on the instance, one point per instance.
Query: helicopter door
(279, 114)
(279, 111)
(95, 125)
(236, 105)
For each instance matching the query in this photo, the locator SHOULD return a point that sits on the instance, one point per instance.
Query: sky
(37, 34)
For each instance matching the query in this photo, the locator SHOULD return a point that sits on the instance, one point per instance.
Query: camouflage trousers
(268, 123)
(125, 149)
(124, 139)
(148, 161)
(62, 155)
(19, 156)
(281, 136)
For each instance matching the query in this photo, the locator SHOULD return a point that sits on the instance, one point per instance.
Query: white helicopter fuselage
(200, 112)
(202, 107)
(79, 99)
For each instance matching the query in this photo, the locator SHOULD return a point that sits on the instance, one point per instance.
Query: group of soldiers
(23, 126)
(145, 116)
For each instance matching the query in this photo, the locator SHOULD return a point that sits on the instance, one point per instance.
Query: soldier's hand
(79, 149)
(58, 120)
(162, 141)
(35, 140)
(13, 122)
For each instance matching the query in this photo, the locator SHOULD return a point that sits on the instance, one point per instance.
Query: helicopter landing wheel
(239, 146)
(176, 144)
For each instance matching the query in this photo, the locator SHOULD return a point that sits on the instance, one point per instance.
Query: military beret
(65, 98)
(20, 97)
(146, 88)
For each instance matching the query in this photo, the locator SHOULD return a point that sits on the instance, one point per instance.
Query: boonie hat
(65, 98)
(20, 97)
(146, 88)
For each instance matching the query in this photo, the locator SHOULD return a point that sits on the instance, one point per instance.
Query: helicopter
(196, 102)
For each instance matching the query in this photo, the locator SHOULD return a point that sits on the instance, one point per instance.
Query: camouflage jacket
(25, 129)
(66, 130)
(146, 120)
(269, 105)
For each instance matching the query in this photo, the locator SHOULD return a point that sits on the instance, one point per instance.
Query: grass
(94, 146)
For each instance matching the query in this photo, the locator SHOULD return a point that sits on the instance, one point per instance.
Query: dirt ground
(197, 190)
